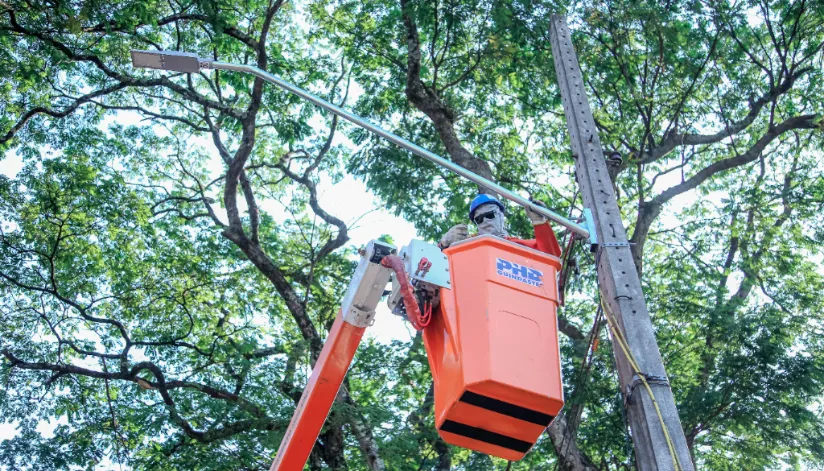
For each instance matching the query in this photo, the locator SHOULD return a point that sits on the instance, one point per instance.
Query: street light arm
(414, 148)
(187, 62)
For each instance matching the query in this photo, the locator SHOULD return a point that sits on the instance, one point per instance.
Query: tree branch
(343, 236)
(797, 122)
(674, 139)
(122, 79)
(426, 100)
(261, 422)
(58, 114)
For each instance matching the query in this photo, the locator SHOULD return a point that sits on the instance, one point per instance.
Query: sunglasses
(487, 215)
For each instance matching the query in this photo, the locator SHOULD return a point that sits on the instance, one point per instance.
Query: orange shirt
(544, 240)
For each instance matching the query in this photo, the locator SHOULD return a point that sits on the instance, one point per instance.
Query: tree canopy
(168, 273)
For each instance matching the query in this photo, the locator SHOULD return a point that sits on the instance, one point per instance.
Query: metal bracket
(359, 317)
(367, 285)
(651, 379)
(380, 251)
(615, 244)
(589, 223)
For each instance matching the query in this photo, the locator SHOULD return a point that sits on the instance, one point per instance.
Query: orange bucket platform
(493, 347)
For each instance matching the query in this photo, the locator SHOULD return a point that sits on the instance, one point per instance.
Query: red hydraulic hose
(413, 312)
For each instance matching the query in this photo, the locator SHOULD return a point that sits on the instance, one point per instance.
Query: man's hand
(535, 217)
(455, 234)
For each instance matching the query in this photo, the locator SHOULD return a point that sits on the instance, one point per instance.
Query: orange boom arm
(317, 398)
(357, 312)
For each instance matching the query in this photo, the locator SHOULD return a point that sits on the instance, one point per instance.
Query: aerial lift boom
(357, 312)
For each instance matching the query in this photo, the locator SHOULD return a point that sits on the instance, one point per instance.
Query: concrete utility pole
(618, 280)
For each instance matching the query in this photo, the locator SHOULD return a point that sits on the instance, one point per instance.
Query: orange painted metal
(493, 348)
(316, 401)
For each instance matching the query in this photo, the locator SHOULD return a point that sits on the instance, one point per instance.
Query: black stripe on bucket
(486, 436)
(506, 408)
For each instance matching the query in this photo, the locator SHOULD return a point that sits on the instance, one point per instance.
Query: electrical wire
(618, 336)
(583, 382)
(563, 275)
(426, 316)
(410, 302)
(580, 391)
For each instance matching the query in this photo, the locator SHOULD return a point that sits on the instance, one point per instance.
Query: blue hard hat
(483, 199)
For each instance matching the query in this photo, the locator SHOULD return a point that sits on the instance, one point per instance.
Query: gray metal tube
(414, 148)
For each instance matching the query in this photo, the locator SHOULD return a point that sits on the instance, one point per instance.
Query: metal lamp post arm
(190, 63)
(414, 148)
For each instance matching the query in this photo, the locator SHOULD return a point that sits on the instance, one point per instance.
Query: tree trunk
(570, 457)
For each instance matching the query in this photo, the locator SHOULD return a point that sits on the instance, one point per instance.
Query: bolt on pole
(620, 286)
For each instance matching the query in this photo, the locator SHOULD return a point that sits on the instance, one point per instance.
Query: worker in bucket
(487, 213)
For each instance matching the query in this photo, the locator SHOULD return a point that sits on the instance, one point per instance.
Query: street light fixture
(166, 60)
(191, 63)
